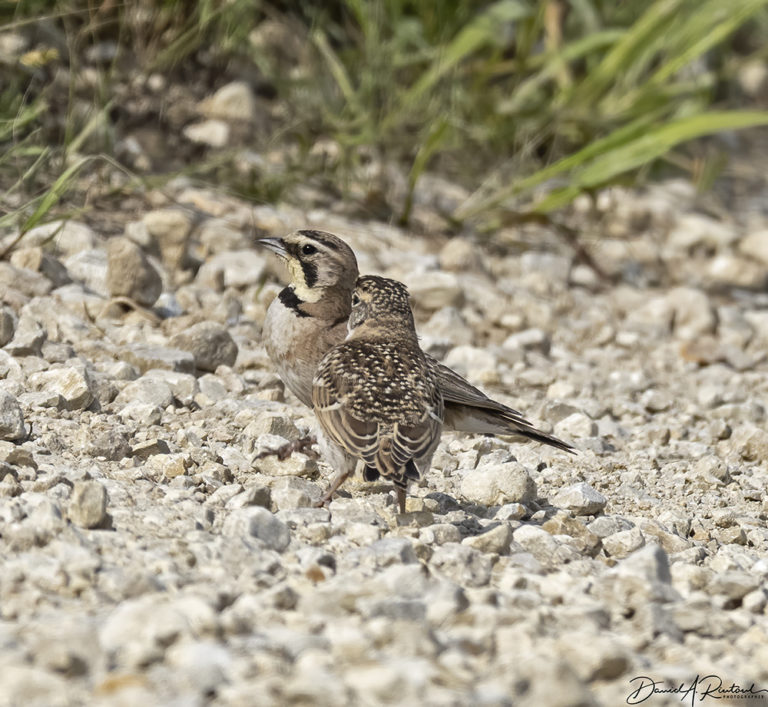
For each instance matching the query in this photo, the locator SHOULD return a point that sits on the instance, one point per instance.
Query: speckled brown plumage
(309, 318)
(375, 395)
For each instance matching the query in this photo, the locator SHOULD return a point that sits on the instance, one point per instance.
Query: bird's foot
(338, 481)
(324, 502)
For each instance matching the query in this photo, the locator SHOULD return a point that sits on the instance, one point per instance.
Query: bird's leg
(338, 481)
(335, 484)
(400, 498)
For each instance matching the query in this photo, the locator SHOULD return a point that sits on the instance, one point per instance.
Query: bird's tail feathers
(477, 420)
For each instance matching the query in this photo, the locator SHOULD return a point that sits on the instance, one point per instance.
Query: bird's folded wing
(358, 437)
(414, 438)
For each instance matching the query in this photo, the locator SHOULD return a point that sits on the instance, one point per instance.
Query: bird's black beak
(276, 245)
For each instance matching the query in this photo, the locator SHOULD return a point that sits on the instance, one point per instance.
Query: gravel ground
(151, 554)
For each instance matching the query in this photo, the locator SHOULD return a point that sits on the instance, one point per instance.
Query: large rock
(69, 237)
(38, 260)
(537, 541)
(435, 289)
(11, 418)
(258, 522)
(28, 337)
(130, 274)
(623, 543)
(210, 343)
(73, 384)
(25, 684)
(170, 229)
(698, 231)
(499, 484)
(28, 282)
(233, 102)
(750, 442)
(733, 271)
(18, 456)
(462, 564)
(460, 255)
(184, 386)
(7, 325)
(693, 314)
(214, 133)
(577, 425)
(235, 268)
(755, 246)
(88, 505)
(148, 390)
(581, 499)
(145, 358)
(139, 630)
(204, 664)
(495, 539)
(90, 268)
(650, 563)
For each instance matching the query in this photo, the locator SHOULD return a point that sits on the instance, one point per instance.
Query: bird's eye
(355, 299)
(308, 249)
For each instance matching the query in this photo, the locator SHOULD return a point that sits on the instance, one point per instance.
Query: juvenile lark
(309, 317)
(375, 395)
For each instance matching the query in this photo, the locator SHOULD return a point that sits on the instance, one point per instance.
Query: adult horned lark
(376, 395)
(309, 317)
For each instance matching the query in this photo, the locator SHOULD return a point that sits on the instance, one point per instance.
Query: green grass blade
(99, 119)
(570, 52)
(362, 12)
(40, 160)
(52, 196)
(336, 68)
(479, 33)
(723, 20)
(604, 145)
(656, 142)
(625, 52)
(647, 148)
(26, 115)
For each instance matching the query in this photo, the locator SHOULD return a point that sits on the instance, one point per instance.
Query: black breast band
(291, 300)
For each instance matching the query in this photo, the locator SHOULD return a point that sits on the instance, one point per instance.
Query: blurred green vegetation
(528, 104)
